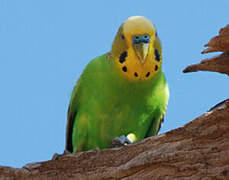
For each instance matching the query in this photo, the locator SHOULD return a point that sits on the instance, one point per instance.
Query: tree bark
(218, 63)
(198, 150)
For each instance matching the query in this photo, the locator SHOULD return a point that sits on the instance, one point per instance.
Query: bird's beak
(141, 49)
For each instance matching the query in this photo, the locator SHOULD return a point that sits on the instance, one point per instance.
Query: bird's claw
(119, 141)
(57, 156)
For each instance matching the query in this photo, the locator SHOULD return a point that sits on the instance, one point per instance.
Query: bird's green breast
(110, 105)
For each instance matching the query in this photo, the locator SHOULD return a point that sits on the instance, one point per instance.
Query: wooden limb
(197, 150)
(220, 42)
(218, 63)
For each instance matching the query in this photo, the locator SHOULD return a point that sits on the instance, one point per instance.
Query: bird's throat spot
(124, 68)
(126, 63)
(122, 57)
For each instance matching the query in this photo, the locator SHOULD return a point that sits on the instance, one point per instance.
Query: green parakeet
(123, 92)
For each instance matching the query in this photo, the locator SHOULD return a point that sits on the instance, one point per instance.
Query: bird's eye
(136, 37)
(156, 34)
(146, 37)
(122, 36)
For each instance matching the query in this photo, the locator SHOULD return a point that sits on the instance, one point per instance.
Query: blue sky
(45, 45)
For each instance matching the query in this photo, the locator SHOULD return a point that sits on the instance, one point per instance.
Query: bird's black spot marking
(147, 75)
(124, 68)
(122, 36)
(156, 34)
(122, 57)
(156, 68)
(136, 74)
(157, 55)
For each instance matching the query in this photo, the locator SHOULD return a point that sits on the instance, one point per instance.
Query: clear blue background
(45, 45)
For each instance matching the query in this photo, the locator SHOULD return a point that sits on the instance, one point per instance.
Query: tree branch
(218, 63)
(197, 150)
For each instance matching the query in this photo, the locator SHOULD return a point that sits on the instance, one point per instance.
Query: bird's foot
(56, 155)
(120, 141)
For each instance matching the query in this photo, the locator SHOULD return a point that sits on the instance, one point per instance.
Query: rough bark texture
(199, 150)
(218, 63)
(220, 42)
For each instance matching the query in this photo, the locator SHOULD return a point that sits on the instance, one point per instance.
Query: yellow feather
(134, 69)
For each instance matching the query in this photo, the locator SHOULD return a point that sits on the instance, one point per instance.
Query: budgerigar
(123, 92)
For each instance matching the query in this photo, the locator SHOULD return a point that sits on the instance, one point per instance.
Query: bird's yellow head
(137, 49)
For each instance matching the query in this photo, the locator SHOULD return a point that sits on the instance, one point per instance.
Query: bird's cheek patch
(157, 55)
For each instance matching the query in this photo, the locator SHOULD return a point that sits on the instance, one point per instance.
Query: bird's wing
(162, 95)
(72, 111)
